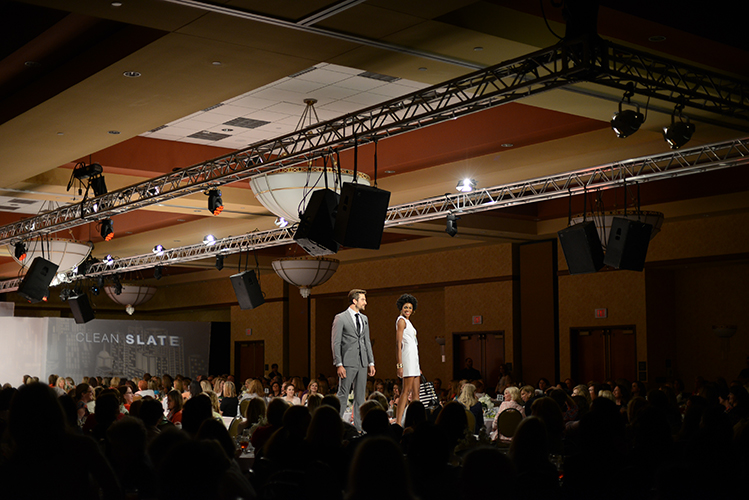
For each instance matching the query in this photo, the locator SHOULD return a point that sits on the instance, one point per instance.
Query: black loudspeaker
(315, 231)
(628, 244)
(81, 308)
(361, 214)
(35, 284)
(247, 290)
(582, 248)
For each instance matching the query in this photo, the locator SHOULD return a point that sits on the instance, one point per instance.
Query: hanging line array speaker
(247, 290)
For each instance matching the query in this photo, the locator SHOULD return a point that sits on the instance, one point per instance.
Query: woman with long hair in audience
(512, 400)
(174, 407)
(45, 459)
(84, 394)
(254, 415)
(230, 402)
(290, 395)
(471, 403)
(254, 390)
(312, 389)
(275, 391)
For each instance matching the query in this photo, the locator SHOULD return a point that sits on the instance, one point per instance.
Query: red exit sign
(602, 312)
(477, 320)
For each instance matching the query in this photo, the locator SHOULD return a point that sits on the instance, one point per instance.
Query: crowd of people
(163, 438)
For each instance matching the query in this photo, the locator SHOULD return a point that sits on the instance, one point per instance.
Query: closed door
(249, 360)
(599, 354)
(487, 350)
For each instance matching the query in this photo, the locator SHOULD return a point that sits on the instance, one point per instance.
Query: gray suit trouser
(356, 377)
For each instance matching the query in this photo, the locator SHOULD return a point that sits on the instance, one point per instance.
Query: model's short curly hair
(406, 299)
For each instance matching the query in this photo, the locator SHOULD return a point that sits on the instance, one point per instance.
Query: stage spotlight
(107, 229)
(451, 227)
(117, 284)
(98, 185)
(215, 203)
(680, 132)
(20, 251)
(109, 260)
(158, 250)
(627, 122)
(157, 272)
(94, 290)
(281, 222)
(219, 262)
(466, 185)
(209, 240)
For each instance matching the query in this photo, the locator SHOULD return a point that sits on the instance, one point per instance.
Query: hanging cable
(375, 163)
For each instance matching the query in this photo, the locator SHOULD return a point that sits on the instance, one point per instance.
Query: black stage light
(83, 171)
(20, 251)
(107, 229)
(215, 203)
(627, 122)
(451, 227)
(98, 185)
(678, 133)
(94, 290)
(117, 285)
(157, 272)
(219, 262)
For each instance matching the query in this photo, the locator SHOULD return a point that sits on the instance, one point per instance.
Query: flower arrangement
(487, 405)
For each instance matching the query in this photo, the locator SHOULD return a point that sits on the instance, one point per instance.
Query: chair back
(471, 421)
(508, 422)
(234, 427)
(243, 407)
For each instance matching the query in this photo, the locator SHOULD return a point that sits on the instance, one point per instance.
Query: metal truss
(652, 168)
(563, 64)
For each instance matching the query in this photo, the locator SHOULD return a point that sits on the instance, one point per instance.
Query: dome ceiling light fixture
(130, 295)
(286, 192)
(305, 272)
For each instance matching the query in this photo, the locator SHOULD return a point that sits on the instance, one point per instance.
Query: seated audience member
(325, 445)
(528, 395)
(126, 451)
(254, 415)
(551, 415)
(230, 403)
(471, 403)
(380, 398)
(194, 412)
(566, 404)
(143, 389)
(488, 462)
(582, 390)
(453, 422)
(107, 411)
(285, 448)
(543, 385)
(254, 390)
(234, 484)
(152, 414)
(276, 409)
(84, 394)
(174, 407)
(529, 452)
(383, 455)
(349, 431)
(314, 402)
(42, 442)
(512, 399)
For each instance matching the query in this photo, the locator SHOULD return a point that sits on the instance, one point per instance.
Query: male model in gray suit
(352, 352)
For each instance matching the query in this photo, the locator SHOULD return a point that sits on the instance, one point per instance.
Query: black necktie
(358, 323)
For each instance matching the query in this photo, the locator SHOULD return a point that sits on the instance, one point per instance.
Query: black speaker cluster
(626, 248)
(354, 219)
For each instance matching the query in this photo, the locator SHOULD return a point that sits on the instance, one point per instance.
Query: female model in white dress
(407, 354)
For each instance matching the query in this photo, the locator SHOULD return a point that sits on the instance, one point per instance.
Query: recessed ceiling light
(131, 74)
(180, 220)
(61, 133)
(657, 38)
(216, 63)
(116, 4)
(389, 171)
(507, 145)
(422, 68)
(227, 130)
(114, 132)
(478, 49)
(128, 232)
(32, 64)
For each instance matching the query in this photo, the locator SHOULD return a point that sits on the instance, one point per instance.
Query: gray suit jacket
(350, 348)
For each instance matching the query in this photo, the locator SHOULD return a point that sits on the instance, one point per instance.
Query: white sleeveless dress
(410, 350)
